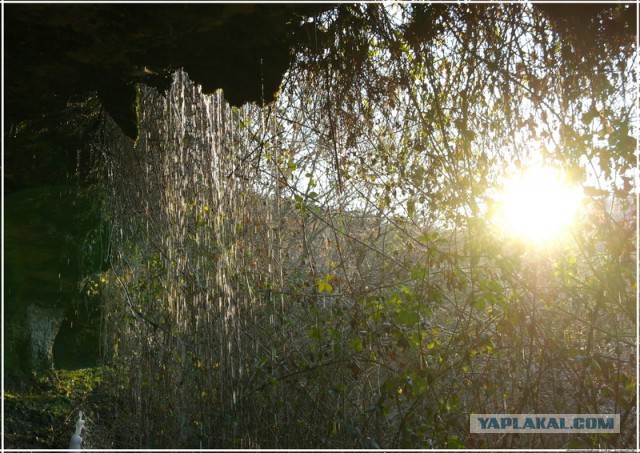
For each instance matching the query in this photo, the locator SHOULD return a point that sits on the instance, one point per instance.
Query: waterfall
(188, 258)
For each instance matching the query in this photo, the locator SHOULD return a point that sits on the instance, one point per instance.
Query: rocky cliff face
(46, 252)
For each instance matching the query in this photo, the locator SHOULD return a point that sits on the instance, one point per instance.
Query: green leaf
(357, 345)
(407, 317)
(405, 290)
(324, 286)
(315, 333)
(454, 442)
(418, 272)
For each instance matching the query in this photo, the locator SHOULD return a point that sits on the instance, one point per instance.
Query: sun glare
(537, 205)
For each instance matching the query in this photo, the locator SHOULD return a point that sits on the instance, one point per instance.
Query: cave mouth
(77, 344)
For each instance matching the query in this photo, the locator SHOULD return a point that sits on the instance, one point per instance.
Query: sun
(537, 205)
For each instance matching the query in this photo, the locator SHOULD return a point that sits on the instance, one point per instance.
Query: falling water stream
(192, 241)
(236, 315)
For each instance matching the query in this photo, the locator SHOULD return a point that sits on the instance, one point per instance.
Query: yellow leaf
(323, 285)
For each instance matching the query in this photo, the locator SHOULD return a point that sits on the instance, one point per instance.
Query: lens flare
(536, 205)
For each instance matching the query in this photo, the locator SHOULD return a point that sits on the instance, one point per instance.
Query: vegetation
(329, 268)
(42, 413)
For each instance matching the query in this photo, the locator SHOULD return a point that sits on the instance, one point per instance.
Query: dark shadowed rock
(54, 52)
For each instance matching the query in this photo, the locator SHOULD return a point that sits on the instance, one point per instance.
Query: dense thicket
(325, 270)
